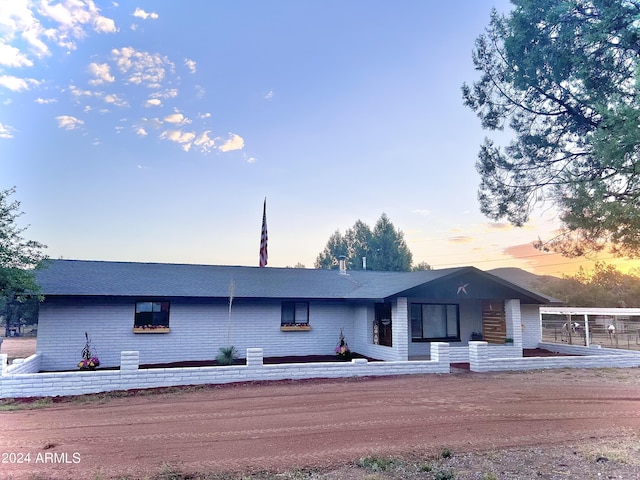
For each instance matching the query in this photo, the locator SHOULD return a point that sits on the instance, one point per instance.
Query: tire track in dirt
(318, 423)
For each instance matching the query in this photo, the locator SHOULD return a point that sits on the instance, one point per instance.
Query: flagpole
(264, 237)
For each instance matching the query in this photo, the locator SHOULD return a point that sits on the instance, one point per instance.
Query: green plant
(446, 453)
(508, 340)
(226, 355)
(90, 359)
(343, 352)
(375, 463)
(444, 475)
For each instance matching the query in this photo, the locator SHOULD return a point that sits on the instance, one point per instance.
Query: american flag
(264, 237)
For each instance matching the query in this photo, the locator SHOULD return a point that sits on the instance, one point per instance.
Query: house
(173, 312)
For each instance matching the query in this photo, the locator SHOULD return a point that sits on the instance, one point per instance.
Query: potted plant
(508, 341)
(90, 360)
(476, 336)
(343, 352)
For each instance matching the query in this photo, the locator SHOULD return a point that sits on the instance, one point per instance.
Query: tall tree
(605, 286)
(563, 75)
(18, 260)
(383, 247)
(389, 251)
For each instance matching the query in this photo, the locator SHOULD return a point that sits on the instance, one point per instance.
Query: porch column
(514, 321)
(400, 328)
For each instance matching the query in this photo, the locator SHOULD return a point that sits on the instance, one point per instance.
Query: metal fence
(608, 331)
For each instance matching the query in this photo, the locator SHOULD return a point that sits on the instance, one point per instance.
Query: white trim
(591, 311)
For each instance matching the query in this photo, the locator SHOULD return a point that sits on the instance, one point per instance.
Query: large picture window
(151, 315)
(294, 314)
(435, 322)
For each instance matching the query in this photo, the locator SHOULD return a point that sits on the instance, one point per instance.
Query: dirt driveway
(318, 423)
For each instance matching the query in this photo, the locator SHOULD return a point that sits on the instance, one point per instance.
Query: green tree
(605, 286)
(563, 76)
(18, 260)
(421, 266)
(388, 249)
(383, 247)
(336, 247)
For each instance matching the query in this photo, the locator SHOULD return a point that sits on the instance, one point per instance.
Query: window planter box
(151, 330)
(295, 328)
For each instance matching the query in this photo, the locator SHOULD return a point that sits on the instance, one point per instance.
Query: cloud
(204, 142)
(69, 122)
(153, 122)
(185, 139)
(105, 25)
(143, 68)
(460, 239)
(177, 119)
(76, 92)
(234, 142)
(191, 65)
(498, 226)
(168, 93)
(140, 13)
(269, 95)
(114, 99)
(6, 131)
(153, 102)
(101, 72)
(16, 84)
(141, 131)
(45, 101)
(13, 57)
(204, 115)
(73, 19)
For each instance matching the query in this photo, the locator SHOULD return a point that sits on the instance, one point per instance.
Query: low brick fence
(461, 354)
(569, 349)
(578, 357)
(28, 365)
(19, 385)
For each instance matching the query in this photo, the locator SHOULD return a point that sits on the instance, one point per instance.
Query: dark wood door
(384, 324)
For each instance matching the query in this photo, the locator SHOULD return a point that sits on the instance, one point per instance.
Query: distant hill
(521, 277)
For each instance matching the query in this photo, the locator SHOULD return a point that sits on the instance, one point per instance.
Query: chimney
(342, 261)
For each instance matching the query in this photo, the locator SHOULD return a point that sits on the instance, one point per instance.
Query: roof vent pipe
(342, 261)
(364, 263)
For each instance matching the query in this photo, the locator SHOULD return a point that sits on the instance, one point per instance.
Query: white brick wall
(28, 365)
(480, 360)
(400, 328)
(197, 332)
(531, 326)
(84, 382)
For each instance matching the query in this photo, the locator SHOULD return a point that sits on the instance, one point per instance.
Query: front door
(494, 321)
(383, 324)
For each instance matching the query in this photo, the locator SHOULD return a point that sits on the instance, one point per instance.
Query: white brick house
(175, 313)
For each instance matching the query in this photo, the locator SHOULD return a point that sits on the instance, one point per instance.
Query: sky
(152, 131)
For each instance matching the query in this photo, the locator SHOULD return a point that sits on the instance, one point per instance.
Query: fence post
(254, 357)
(4, 362)
(478, 357)
(129, 361)
(440, 354)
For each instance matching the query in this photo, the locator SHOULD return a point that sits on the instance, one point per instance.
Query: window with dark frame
(151, 315)
(435, 322)
(294, 314)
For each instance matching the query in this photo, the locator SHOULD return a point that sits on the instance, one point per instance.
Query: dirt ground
(542, 418)
(18, 347)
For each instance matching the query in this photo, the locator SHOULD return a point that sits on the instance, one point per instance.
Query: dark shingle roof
(101, 278)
